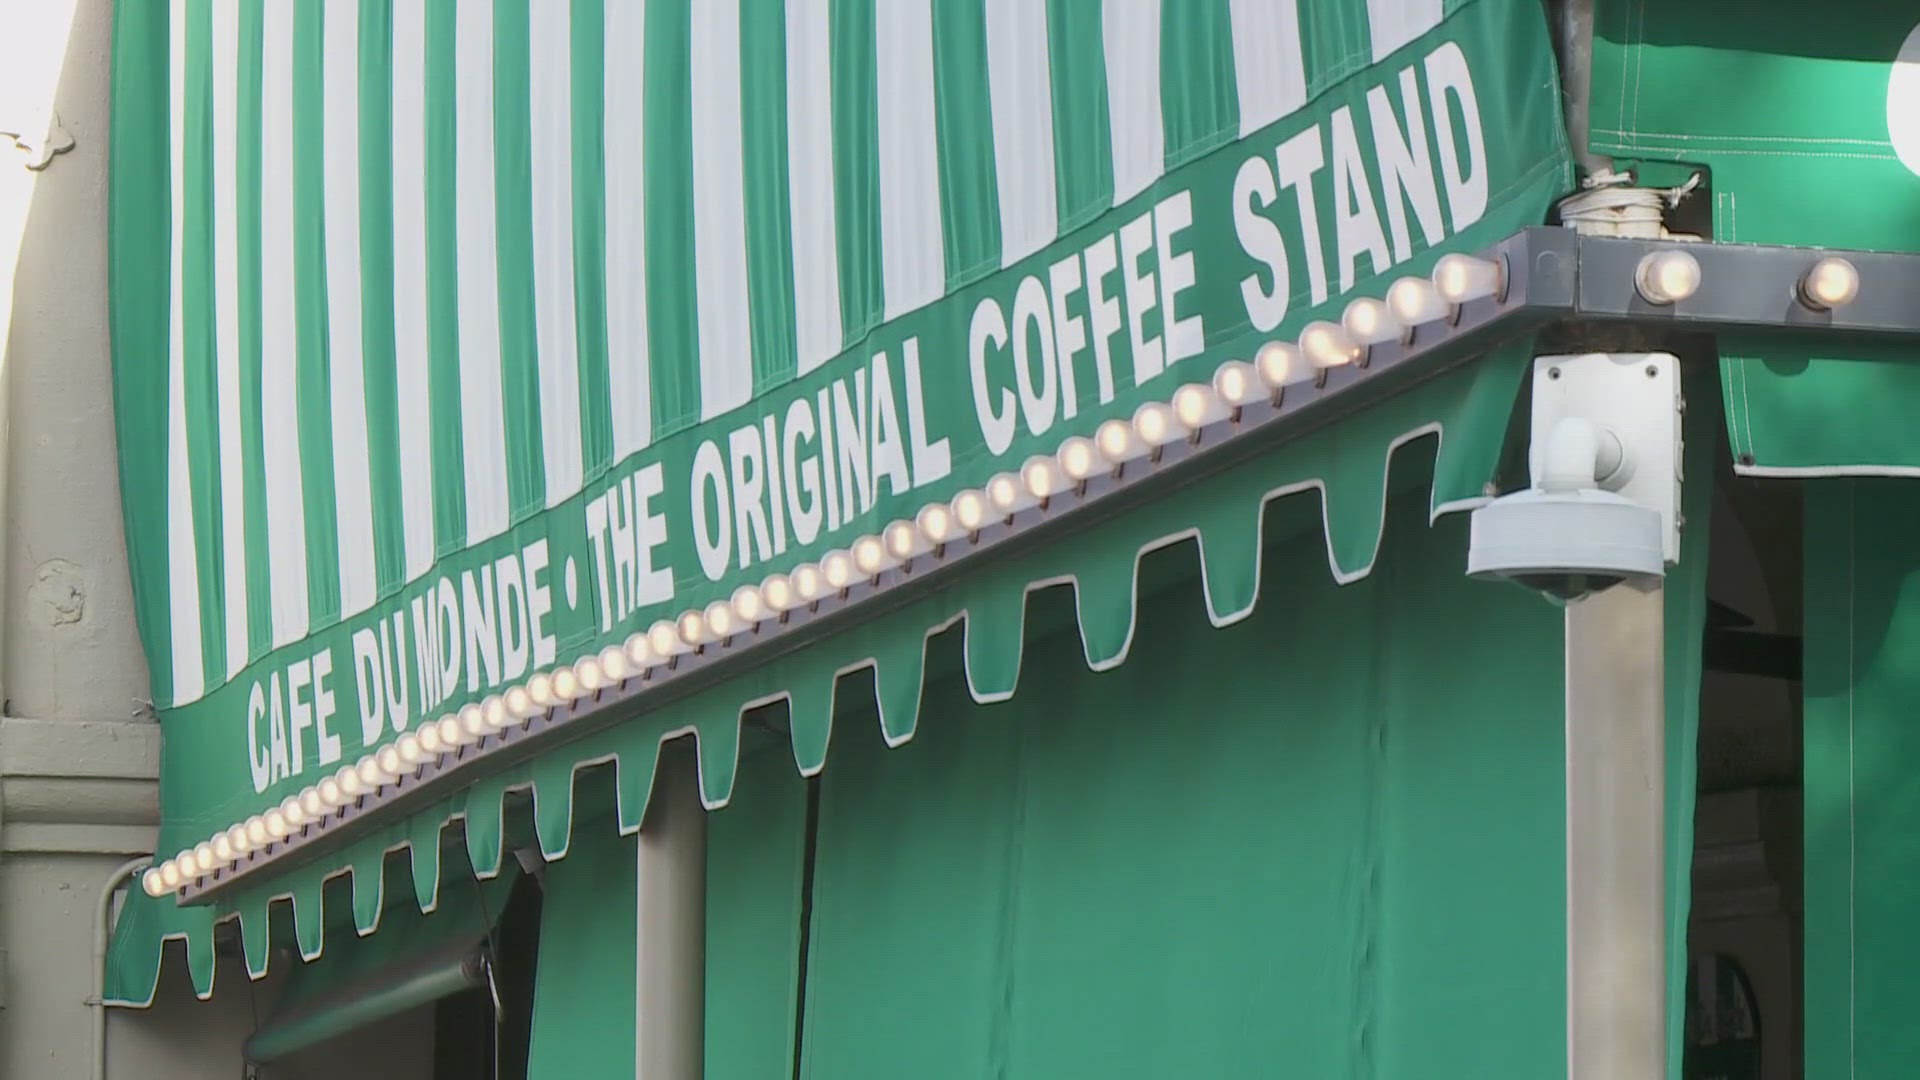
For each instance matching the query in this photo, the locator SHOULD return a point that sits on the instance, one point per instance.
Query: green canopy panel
(1446, 435)
(1806, 153)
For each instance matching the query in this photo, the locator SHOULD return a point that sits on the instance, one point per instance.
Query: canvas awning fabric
(385, 403)
(1331, 485)
(1818, 146)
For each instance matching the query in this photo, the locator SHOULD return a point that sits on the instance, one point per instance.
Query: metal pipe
(103, 911)
(670, 984)
(1572, 24)
(1616, 835)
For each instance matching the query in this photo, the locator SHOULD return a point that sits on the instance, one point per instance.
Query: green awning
(420, 958)
(1328, 835)
(1332, 484)
(486, 343)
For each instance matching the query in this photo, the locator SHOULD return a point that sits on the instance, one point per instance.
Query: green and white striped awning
(453, 340)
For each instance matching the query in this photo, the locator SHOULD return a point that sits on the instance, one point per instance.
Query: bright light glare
(1327, 345)
(1833, 282)
(1414, 300)
(1276, 362)
(1460, 278)
(1370, 322)
(1666, 277)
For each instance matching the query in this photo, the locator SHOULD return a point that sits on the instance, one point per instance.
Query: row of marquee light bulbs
(1662, 277)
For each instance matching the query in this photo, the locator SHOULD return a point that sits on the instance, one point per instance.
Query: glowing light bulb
(692, 628)
(1157, 425)
(493, 712)
(1195, 405)
(349, 780)
(837, 569)
(664, 639)
(389, 761)
(452, 734)
(430, 740)
(720, 619)
(1370, 322)
(170, 875)
(1080, 458)
(408, 747)
(313, 805)
(1413, 301)
(970, 509)
(869, 555)
(592, 676)
(902, 540)
(1042, 476)
(1278, 364)
(291, 809)
(540, 688)
(370, 772)
(237, 836)
(472, 721)
(639, 652)
(1006, 494)
(520, 703)
(184, 860)
(1237, 384)
(203, 858)
(777, 591)
(1327, 345)
(277, 827)
(1460, 278)
(748, 604)
(257, 834)
(222, 847)
(1117, 441)
(153, 882)
(613, 663)
(566, 685)
(935, 523)
(808, 583)
(1831, 283)
(1667, 277)
(331, 794)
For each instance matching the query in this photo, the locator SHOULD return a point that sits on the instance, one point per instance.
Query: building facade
(856, 539)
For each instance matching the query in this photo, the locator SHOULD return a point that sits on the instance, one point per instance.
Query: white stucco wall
(79, 748)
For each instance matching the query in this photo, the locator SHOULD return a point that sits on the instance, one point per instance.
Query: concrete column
(1616, 835)
(78, 746)
(671, 942)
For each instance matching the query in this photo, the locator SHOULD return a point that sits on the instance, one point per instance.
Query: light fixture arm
(1580, 455)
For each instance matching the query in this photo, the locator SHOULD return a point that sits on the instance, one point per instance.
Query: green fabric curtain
(1323, 842)
(583, 1004)
(1862, 794)
(756, 872)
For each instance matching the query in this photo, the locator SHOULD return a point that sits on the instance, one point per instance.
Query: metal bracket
(1636, 397)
